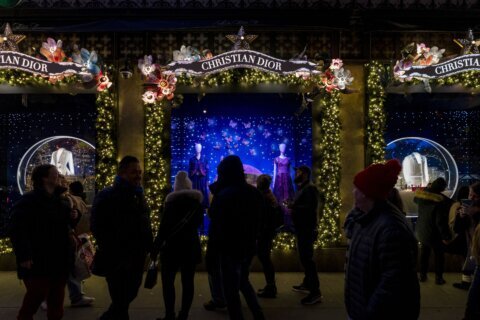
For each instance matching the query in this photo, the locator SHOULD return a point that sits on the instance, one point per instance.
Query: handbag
(152, 275)
(84, 256)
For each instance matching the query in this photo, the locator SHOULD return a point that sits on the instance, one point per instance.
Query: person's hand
(446, 242)
(26, 264)
(74, 214)
(461, 211)
(153, 256)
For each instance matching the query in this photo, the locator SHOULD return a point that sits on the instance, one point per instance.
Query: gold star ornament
(8, 40)
(241, 40)
(469, 45)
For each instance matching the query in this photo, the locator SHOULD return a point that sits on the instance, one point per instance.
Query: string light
(328, 174)
(376, 119)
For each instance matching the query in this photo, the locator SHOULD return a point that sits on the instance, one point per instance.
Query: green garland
(106, 140)
(156, 177)
(376, 118)
(328, 175)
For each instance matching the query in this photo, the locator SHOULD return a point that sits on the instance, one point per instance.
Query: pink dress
(283, 188)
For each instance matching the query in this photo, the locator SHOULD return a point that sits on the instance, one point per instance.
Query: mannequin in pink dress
(282, 180)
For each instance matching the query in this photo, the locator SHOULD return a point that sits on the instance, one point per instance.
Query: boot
(182, 315)
(270, 291)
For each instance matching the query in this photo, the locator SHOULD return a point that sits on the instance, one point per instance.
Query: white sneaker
(83, 302)
(43, 306)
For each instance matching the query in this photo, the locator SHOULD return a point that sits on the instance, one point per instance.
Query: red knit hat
(377, 180)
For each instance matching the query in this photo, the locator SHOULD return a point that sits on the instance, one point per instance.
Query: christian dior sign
(23, 62)
(241, 59)
(470, 62)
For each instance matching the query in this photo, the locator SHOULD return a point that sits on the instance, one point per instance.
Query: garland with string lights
(376, 118)
(105, 125)
(328, 175)
(106, 145)
(155, 177)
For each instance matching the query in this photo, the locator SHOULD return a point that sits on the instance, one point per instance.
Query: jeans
(305, 241)
(214, 269)
(473, 302)
(74, 288)
(264, 249)
(439, 253)
(235, 279)
(169, 270)
(53, 288)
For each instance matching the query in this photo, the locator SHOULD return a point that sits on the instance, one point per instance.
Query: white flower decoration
(336, 64)
(343, 78)
(184, 54)
(436, 54)
(146, 65)
(149, 97)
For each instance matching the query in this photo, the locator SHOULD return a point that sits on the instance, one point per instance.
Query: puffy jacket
(381, 280)
(432, 223)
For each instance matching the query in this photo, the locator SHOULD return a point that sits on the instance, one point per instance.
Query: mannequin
(198, 173)
(282, 180)
(415, 170)
(63, 160)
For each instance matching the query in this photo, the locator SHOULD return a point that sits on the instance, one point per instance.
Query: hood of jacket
(182, 194)
(426, 195)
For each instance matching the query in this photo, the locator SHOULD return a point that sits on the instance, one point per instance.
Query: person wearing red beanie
(381, 280)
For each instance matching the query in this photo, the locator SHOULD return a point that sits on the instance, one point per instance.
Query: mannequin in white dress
(415, 170)
(63, 160)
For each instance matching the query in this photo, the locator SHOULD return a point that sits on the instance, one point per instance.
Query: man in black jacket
(381, 281)
(304, 216)
(432, 227)
(40, 234)
(121, 225)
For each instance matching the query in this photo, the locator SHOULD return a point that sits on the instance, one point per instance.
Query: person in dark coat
(40, 233)
(305, 208)
(179, 243)
(214, 268)
(235, 212)
(432, 227)
(271, 220)
(464, 226)
(381, 281)
(120, 223)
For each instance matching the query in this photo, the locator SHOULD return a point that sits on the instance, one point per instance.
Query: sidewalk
(438, 302)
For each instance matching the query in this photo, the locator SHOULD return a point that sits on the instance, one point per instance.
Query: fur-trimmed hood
(429, 196)
(182, 194)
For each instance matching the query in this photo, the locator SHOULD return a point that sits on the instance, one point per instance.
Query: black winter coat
(184, 245)
(305, 208)
(120, 223)
(235, 214)
(432, 223)
(381, 280)
(40, 231)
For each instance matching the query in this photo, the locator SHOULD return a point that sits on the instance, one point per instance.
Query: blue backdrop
(247, 125)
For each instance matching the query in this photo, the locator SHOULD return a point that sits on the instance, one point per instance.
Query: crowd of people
(381, 279)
